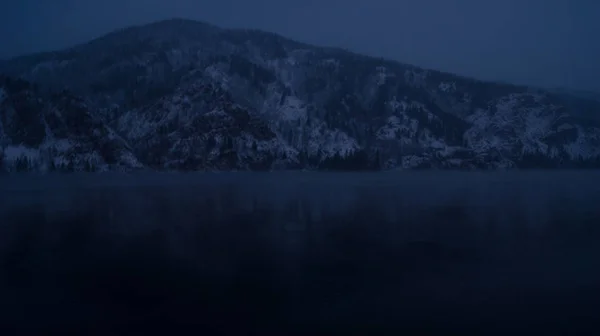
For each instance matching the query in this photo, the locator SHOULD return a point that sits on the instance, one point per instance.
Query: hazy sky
(538, 42)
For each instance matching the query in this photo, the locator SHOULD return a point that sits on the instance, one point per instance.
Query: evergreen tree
(51, 166)
(211, 143)
(376, 165)
(22, 164)
(355, 161)
(228, 143)
(89, 166)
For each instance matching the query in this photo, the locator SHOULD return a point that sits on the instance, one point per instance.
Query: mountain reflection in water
(301, 253)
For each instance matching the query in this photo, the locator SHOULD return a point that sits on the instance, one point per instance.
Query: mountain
(185, 95)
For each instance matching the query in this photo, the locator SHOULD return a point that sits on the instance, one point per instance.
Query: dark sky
(537, 42)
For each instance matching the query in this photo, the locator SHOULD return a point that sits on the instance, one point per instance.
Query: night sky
(552, 43)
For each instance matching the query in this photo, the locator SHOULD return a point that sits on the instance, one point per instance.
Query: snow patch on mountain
(12, 153)
(382, 75)
(331, 62)
(412, 161)
(219, 75)
(398, 127)
(510, 126)
(325, 142)
(49, 66)
(586, 145)
(293, 109)
(447, 87)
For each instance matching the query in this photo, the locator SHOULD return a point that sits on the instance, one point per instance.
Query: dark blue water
(301, 254)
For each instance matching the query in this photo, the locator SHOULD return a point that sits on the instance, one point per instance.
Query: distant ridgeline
(184, 95)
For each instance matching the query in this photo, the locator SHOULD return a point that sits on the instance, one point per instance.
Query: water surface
(301, 253)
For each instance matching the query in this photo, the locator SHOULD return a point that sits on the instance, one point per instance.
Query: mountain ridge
(557, 90)
(259, 31)
(186, 95)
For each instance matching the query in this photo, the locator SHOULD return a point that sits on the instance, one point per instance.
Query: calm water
(301, 253)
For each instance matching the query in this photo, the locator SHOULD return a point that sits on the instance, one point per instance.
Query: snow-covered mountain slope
(42, 131)
(181, 94)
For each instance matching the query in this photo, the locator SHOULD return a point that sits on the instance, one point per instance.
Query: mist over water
(300, 253)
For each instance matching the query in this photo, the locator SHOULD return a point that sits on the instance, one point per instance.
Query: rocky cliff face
(185, 95)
